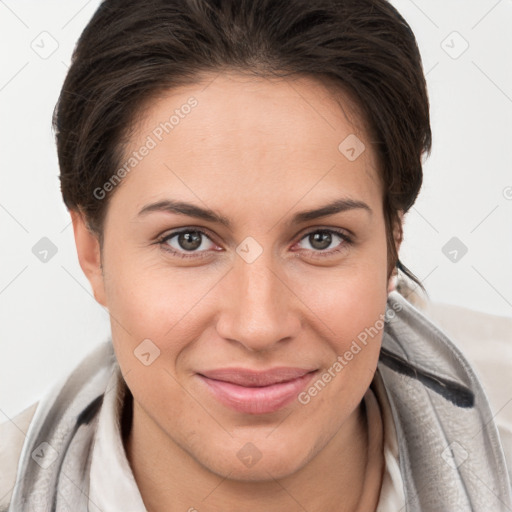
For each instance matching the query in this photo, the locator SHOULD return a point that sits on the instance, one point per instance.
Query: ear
(89, 256)
(397, 237)
(398, 231)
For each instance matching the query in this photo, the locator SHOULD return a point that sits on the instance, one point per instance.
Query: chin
(258, 461)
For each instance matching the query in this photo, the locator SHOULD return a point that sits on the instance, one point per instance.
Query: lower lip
(257, 400)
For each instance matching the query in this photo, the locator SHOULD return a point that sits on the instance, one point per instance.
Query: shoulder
(486, 342)
(12, 437)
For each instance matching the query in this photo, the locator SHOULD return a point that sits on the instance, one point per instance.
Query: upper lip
(249, 378)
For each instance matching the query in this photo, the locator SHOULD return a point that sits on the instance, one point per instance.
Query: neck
(346, 475)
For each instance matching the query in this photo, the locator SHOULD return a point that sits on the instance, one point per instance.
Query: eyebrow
(191, 210)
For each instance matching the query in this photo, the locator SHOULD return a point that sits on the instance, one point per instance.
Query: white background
(49, 318)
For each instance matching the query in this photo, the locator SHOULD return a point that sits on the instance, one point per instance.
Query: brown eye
(321, 240)
(192, 241)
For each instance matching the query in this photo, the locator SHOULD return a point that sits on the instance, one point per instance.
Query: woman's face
(256, 281)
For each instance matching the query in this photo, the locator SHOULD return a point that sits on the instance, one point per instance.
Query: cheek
(352, 295)
(355, 317)
(169, 307)
(350, 304)
(151, 298)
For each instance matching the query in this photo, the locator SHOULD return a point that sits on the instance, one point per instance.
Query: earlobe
(89, 256)
(392, 282)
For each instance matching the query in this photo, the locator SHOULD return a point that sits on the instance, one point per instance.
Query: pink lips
(253, 392)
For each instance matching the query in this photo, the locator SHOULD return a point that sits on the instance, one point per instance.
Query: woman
(237, 174)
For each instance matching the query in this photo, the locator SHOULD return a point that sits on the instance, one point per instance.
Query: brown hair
(133, 50)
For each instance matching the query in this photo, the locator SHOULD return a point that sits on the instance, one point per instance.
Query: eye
(193, 241)
(321, 239)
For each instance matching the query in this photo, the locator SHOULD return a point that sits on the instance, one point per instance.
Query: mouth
(256, 392)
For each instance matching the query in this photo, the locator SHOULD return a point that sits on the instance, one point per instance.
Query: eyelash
(347, 240)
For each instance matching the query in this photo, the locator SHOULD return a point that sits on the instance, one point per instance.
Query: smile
(257, 399)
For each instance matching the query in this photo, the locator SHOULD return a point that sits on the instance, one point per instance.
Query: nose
(259, 309)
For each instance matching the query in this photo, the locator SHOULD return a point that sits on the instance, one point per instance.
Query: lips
(254, 392)
(252, 378)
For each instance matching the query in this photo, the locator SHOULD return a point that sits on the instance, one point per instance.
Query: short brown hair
(132, 50)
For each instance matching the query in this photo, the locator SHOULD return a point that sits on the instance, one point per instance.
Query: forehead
(230, 132)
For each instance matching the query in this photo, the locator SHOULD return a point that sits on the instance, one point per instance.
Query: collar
(106, 492)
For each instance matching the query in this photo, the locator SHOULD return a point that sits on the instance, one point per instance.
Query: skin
(256, 151)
